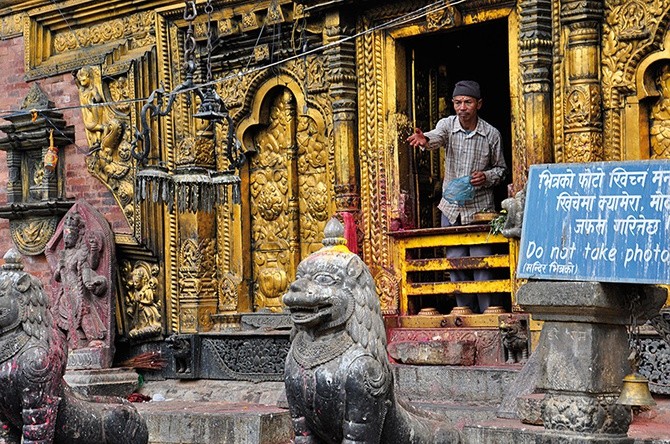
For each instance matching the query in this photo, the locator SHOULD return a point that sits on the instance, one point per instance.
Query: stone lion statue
(515, 341)
(338, 379)
(36, 404)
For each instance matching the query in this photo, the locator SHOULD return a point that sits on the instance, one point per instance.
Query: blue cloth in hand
(459, 191)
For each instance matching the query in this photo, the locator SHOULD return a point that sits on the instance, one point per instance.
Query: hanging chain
(634, 332)
(210, 36)
(190, 13)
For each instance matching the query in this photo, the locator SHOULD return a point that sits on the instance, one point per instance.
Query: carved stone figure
(142, 302)
(36, 404)
(514, 207)
(81, 257)
(182, 351)
(339, 383)
(515, 342)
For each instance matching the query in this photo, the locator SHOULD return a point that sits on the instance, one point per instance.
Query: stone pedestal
(586, 349)
(119, 382)
(90, 358)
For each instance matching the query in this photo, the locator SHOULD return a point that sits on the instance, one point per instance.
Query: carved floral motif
(592, 415)
(107, 31)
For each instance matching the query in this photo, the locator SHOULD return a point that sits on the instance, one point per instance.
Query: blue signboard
(605, 221)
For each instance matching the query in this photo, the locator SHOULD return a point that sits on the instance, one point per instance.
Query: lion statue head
(334, 292)
(23, 301)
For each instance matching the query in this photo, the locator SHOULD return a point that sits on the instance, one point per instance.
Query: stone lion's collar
(12, 343)
(310, 354)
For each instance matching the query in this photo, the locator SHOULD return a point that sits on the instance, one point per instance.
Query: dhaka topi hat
(467, 88)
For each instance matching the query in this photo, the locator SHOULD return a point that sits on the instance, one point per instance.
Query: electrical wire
(401, 20)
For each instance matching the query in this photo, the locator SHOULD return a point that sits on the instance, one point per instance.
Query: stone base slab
(512, 432)
(89, 358)
(488, 342)
(179, 422)
(103, 382)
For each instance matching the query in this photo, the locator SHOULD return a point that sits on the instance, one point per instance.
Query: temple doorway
(435, 63)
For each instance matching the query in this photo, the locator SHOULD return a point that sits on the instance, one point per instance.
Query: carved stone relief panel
(142, 303)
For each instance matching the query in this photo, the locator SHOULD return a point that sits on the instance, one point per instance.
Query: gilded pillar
(198, 284)
(583, 127)
(197, 271)
(341, 60)
(535, 54)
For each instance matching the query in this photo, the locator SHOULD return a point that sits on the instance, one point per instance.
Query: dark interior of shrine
(476, 52)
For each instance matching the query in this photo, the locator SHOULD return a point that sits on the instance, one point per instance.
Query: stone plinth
(119, 382)
(433, 352)
(586, 349)
(90, 358)
(182, 422)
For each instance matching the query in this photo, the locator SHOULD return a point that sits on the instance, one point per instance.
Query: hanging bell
(211, 107)
(635, 391)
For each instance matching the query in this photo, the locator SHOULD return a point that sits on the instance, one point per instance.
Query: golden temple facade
(321, 95)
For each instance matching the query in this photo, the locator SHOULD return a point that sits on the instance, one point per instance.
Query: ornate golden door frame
(288, 190)
(383, 126)
(646, 122)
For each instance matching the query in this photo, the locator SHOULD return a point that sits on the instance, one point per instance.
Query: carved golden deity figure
(91, 96)
(142, 303)
(660, 117)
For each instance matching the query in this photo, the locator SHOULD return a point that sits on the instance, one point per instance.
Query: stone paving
(190, 422)
(235, 412)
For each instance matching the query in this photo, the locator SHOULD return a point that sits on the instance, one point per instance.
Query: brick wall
(79, 184)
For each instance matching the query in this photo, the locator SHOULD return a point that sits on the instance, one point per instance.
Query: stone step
(189, 422)
(453, 415)
(463, 385)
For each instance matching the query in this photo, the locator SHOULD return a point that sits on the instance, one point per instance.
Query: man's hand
(417, 139)
(477, 179)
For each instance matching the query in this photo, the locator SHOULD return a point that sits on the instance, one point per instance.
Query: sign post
(604, 222)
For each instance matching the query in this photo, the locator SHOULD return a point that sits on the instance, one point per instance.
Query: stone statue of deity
(81, 255)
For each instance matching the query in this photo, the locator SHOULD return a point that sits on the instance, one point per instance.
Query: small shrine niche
(34, 144)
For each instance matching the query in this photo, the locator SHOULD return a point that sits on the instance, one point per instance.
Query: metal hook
(190, 12)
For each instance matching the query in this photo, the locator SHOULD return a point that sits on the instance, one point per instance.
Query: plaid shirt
(467, 152)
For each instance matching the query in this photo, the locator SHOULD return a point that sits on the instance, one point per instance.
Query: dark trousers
(477, 302)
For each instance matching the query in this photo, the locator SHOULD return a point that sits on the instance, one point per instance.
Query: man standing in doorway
(473, 149)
